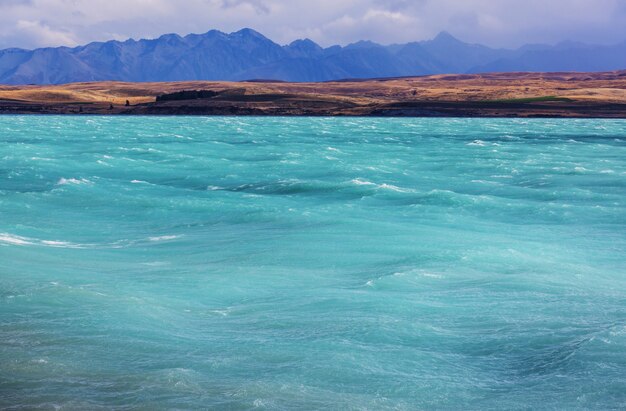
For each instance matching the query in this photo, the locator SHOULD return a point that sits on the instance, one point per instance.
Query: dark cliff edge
(273, 105)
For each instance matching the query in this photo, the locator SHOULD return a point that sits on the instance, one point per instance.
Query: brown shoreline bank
(577, 95)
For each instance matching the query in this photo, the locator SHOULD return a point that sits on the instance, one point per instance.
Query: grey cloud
(258, 5)
(394, 5)
(502, 23)
(14, 3)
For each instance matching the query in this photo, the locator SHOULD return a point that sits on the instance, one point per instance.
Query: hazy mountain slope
(454, 56)
(564, 57)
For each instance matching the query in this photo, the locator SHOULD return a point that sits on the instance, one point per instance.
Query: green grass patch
(530, 100)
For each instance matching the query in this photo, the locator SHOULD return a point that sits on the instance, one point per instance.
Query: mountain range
(248, 55)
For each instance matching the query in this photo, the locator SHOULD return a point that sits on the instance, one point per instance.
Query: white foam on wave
(77, 181)
(57, 243)
(431, 275)
(214, 188)
(486, 182)
(412, 273)
(164, 238)
(479, 143)
(383, 186)
(139, 182)
(140, 149)
(223, 313)
(418, 272)
(360, 182)
(11, 239)
(14, 239)
(393, 188)
(156, 263)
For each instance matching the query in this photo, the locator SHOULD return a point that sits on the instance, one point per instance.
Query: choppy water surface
(298, 263)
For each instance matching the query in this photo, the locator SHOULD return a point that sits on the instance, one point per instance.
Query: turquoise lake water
(312, 263)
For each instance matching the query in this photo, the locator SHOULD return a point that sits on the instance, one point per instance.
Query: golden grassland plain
(494, 94)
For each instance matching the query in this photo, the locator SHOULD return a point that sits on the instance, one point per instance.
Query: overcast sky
(501, 23)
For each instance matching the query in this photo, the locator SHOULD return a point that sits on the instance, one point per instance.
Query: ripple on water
(295, 263)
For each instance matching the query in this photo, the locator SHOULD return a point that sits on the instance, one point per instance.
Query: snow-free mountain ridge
(247, 55)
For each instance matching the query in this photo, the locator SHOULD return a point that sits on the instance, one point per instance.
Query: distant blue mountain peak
(248, 54)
